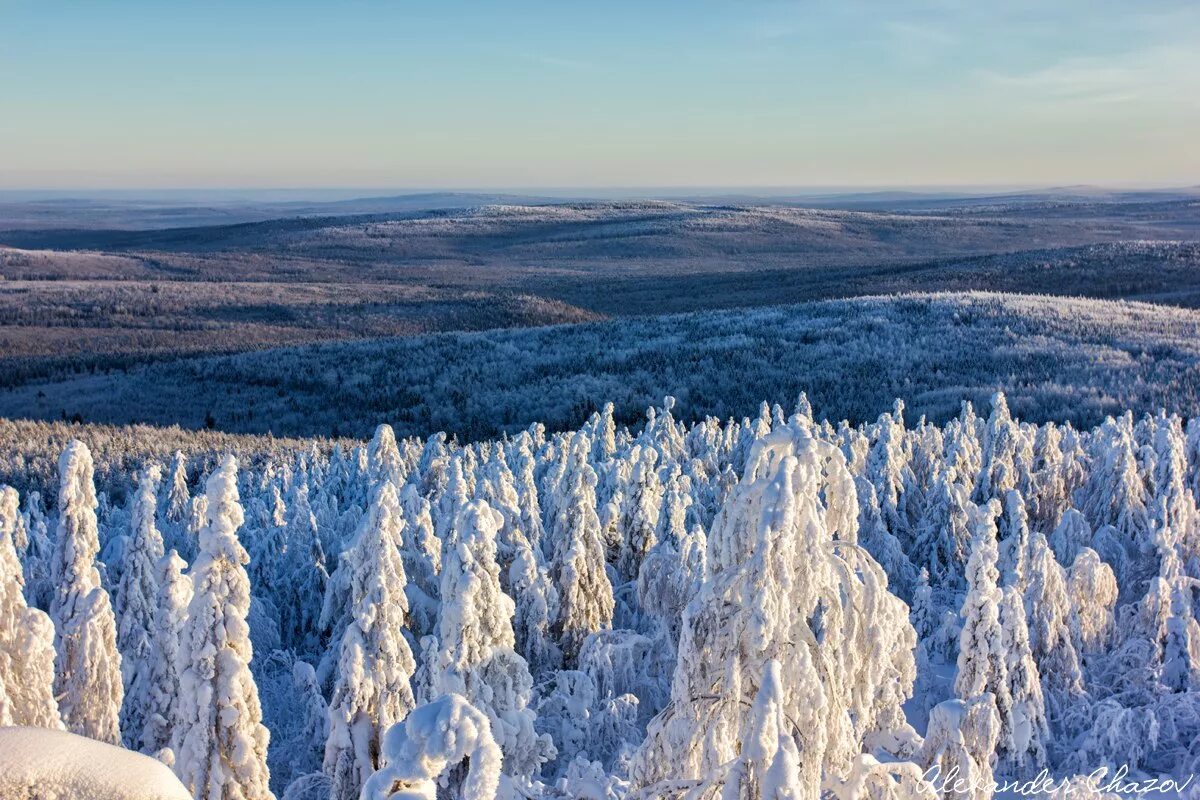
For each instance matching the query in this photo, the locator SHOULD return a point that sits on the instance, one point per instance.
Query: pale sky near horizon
(453, 95)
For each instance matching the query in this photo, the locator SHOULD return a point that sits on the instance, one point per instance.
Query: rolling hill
(1056, 358)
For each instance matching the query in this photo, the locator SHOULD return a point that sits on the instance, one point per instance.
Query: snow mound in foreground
(55, 765)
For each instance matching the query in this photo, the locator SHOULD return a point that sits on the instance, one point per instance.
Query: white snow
(41, 764)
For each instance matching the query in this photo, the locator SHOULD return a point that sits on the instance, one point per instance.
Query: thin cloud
(1157, 73)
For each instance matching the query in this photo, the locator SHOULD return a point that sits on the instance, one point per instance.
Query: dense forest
(1055, 358)
(766, 607)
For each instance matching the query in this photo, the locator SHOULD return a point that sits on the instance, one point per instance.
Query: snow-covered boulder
(41, 764)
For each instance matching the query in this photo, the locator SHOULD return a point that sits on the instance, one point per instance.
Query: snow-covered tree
(1050, 495)
(478, 659)
(220, 742)
(1014, 541)
(137, 594)
(162, 684)
(314, 731)
(981, 655)
(786, 582)
(1115, 493)
(88, 668)
(384, 462)
(26, 637)
(1001, 441)
(433, 738)
(1052, 634)
(958, 749)
(269, 545)
(638, 522)
(887, 469)
(372, 691)
(421, 553)
(536, 608)
(584, 590)
(188, 538)
(1172, 508)
(303, 578)
(1070, 536)
(38, 555)
(1093, 591)
(944, 534)
(1029, 730)
(178, 498)
(881, 543)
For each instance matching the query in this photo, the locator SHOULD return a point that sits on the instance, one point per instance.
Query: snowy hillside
(774, 604)
(629, 236)
(1056, 358)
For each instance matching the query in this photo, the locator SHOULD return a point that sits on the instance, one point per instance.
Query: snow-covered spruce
(136, 596)
(26, 638)
(161, 703)
(88, 667)
(373, 690)
(220, 742)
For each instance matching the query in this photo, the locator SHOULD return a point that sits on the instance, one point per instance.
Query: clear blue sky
(526, 94)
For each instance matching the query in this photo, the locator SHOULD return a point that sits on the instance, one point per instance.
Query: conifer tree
(88, 668)
(478, 659)
(1093, 590)
(639, 513)
(26, 637)
(1014, 541)
(768, 766)
(38, 553)
(314, 732)
(584, 592)
(375, 666)
(162, 686)
(433, 738)
(1028, 710)
(304, 578)
(944, 535)
(178, 498)
(220, 742)
(981, 655)
(136, 597)
(1052, 636)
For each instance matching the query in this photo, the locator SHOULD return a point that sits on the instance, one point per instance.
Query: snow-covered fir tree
(137, 594)
(88, 667)
(982, 659)
(38, 553)
(26, 637)
(310, 749)
(220, 742)
(1052, 631)
(162, 704)
(303, 577)
(478, 659)
(433, 738)
(1026, 752)
(585, 595)
(375, 665)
